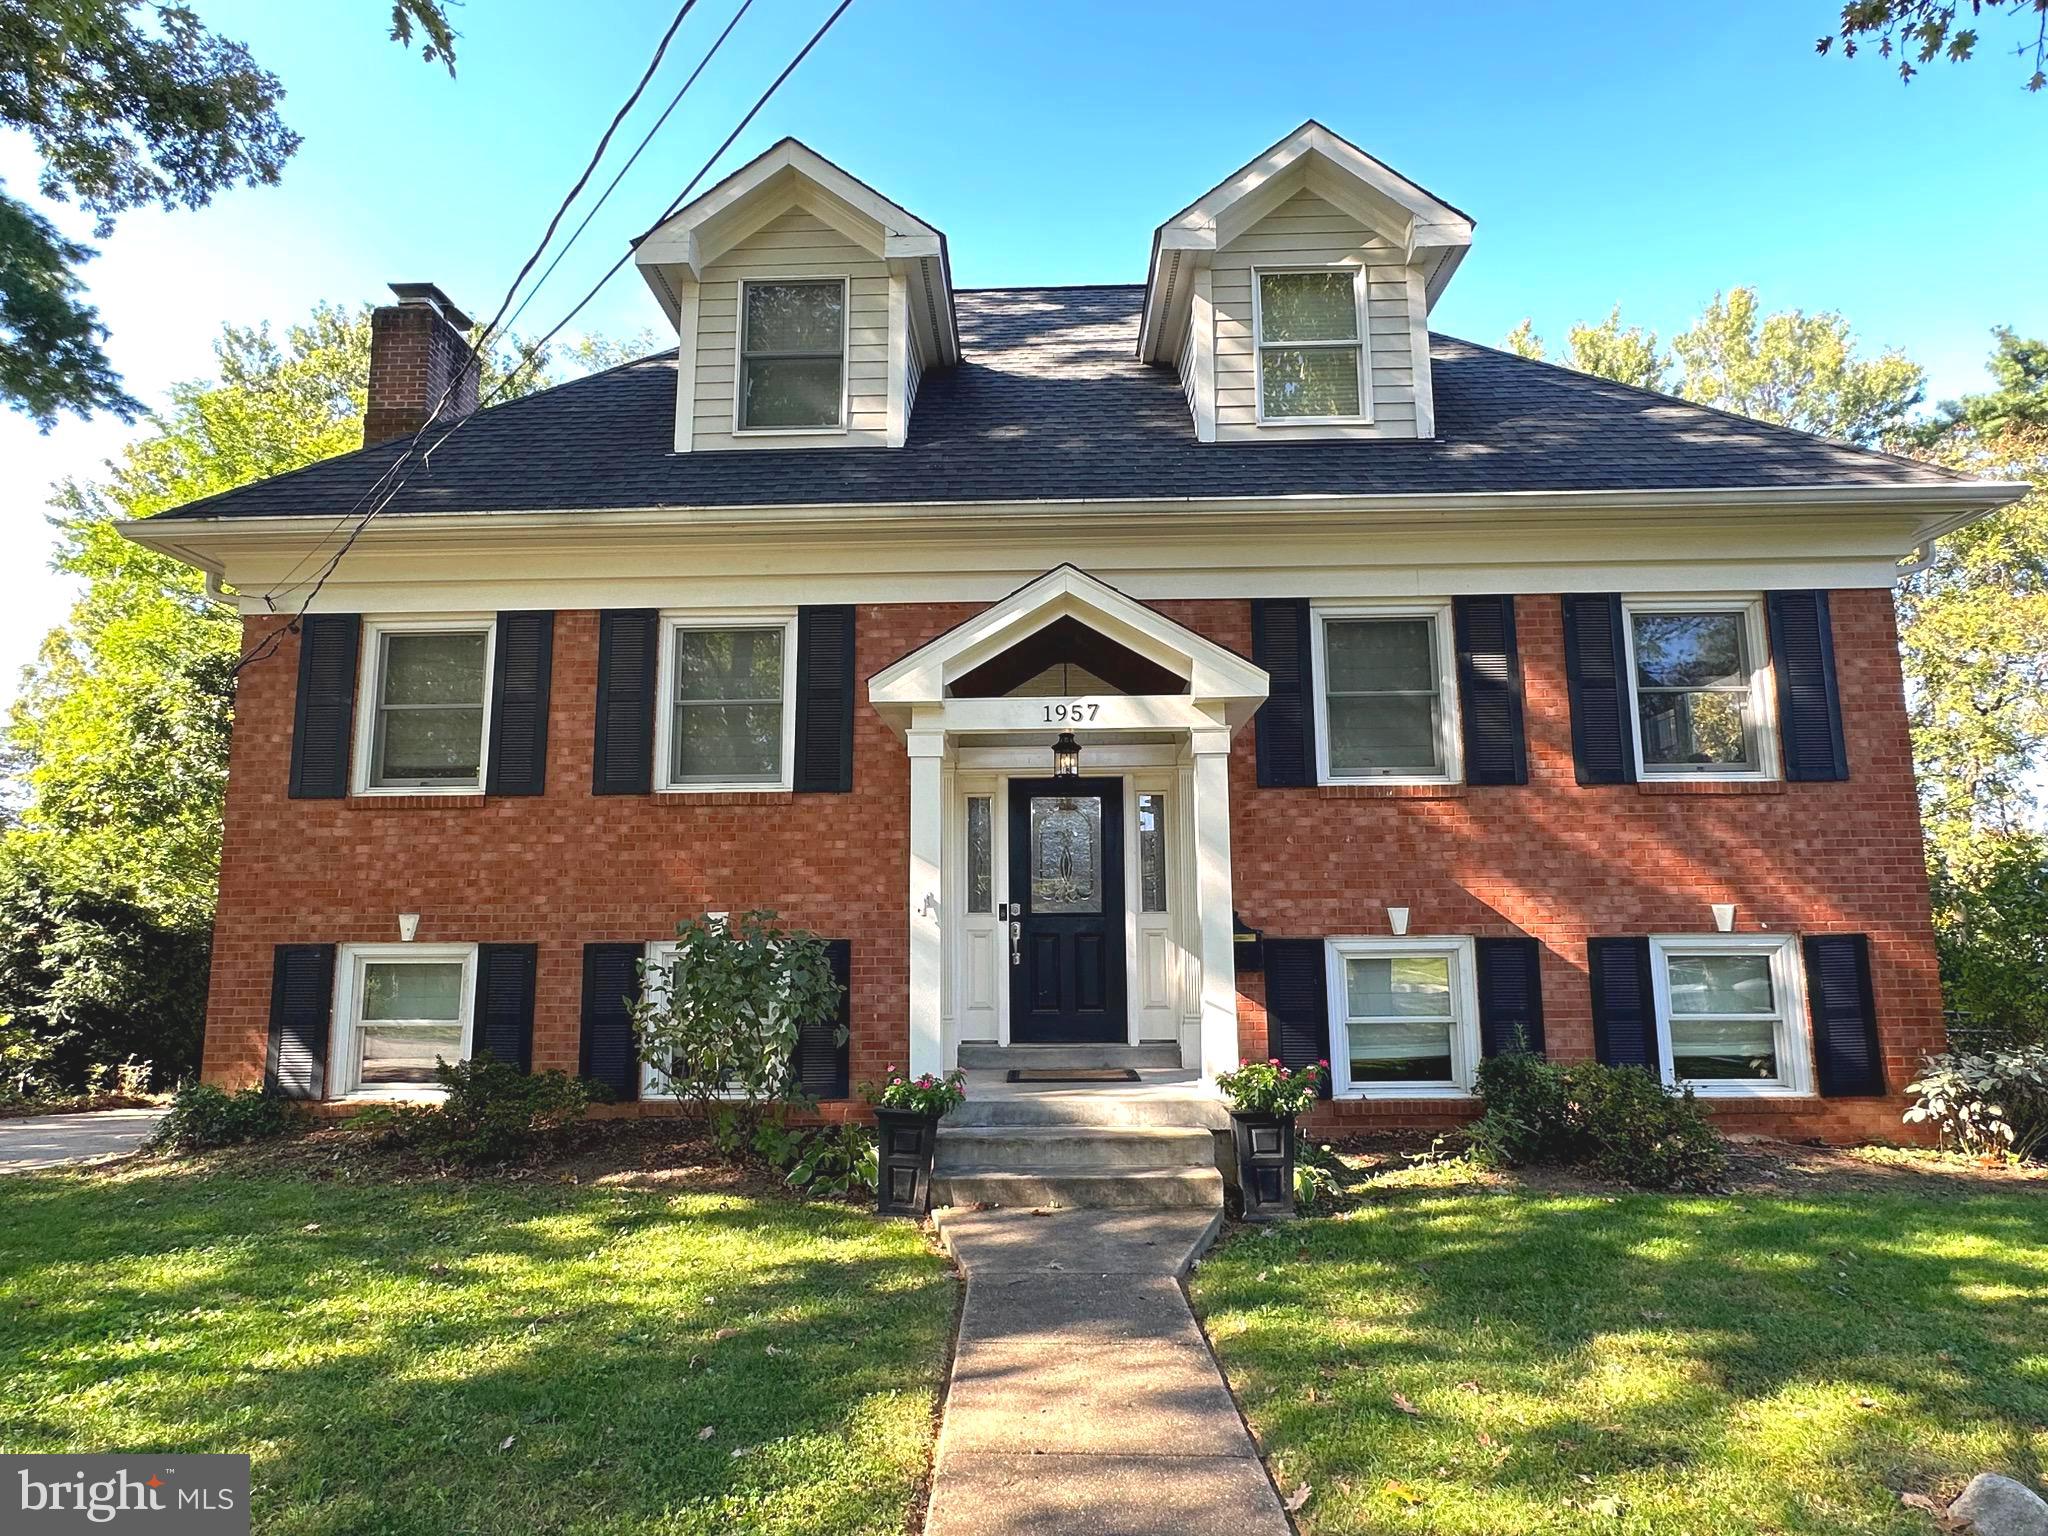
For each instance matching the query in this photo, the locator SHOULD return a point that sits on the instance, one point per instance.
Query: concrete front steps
(1150, 1144)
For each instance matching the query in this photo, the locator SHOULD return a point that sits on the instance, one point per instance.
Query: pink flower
(1274, 1062)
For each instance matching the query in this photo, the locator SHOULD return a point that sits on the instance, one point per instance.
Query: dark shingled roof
(1051, 404)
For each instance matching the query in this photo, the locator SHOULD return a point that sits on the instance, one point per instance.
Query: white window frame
(1359, 291)
(739, 353)
(1464, 1007)
(353, 961)
(1756, 636)
(370, 694)
(1450, 734)
(672, 624)
(1788, 985)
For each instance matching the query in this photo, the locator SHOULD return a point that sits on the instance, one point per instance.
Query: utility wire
(369, 514)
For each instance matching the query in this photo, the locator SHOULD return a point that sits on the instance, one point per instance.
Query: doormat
(1073, 1075)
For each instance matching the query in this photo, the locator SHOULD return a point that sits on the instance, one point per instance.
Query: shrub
(1618, 1122)
(720, 1020)
(1994, 1103)
(833, 1160)
(1267, 1088)
(493, 1113)
(1316, 1178)
(204, 1116)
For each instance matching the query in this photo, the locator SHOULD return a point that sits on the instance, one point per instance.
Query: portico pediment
(1204, 680)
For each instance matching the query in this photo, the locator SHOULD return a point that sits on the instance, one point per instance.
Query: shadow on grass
(1727, 1363)
(376, 1347)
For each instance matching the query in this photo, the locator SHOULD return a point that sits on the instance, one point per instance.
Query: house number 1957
(1071, 713)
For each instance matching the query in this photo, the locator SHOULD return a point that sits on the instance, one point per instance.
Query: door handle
(1016, 942)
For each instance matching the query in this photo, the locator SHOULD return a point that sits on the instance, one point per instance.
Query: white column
(927, 846)
(1217, 951)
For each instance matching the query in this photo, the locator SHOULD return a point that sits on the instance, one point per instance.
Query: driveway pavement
(1084, 1398)
(51, 1141)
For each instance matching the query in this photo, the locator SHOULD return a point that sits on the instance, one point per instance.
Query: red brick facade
(1549, 858)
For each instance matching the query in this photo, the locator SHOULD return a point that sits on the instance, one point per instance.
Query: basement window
(404, 1008)
(792, 363)
(1728, 1014)
(1404, 1017)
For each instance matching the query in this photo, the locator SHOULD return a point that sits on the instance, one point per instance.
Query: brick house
(1426, 698)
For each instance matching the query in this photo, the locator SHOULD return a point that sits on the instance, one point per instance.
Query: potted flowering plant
(907, 1113)
(1265, 1098)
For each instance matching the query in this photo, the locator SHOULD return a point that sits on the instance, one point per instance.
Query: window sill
(838, 430)
(1285, 423)
(1740, 1093)
(393, 1096)
(1435, 1091)
(725, 794)
(1392, 789)
(1706, 786)
(415, 799)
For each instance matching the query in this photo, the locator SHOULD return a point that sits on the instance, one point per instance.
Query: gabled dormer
(806, 307)
(1294, 298)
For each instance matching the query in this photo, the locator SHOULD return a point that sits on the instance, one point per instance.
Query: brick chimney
(416, 348)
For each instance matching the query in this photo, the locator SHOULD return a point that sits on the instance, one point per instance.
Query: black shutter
(1809, 708)
(520, 675)
(611, 985)
(1596, 675)
(1844, 1016)
(1490, 690)
(1624, 1005)
(504, 1001)
(301, 1011)
(1285, 726)
(1297, 1004)
(1510, 996)
(824, 700)
(326, 705)
(627, 639)
(823, 1059)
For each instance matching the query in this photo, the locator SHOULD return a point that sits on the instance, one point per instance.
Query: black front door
(1067, 895)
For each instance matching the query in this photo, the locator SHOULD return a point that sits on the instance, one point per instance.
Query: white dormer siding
(1307, 232)
(794, 244)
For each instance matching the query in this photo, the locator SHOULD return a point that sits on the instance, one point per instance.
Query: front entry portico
(1070, 653)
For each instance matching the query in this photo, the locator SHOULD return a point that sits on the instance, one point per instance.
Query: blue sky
(1646, 154)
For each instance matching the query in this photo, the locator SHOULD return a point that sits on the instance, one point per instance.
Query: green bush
(492, 1114)
(1993, 1103)
(834, 1160)
(1618, 1122)
(204, 1116)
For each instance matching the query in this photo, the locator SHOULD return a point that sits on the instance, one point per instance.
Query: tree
(127, 103)
(1523, 341)
(1627, 356)
(1796, 369)
(1921, 31)
(2020, 401)
(120, 732)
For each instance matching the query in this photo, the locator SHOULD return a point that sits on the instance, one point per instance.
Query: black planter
(908, 1139)
(1265, 1164)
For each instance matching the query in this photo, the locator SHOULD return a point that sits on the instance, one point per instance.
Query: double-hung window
(1729, 1013)
(1404, 1017)
(728, 716)
(1311, 345)
(1386, 696)
(404, 1007)
(425, 706)
(1701, 679)
(792, 362)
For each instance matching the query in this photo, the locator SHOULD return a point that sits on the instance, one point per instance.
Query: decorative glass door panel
(1067, 910)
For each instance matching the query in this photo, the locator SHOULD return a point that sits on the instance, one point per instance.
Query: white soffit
(676, 251)
(1432, 233)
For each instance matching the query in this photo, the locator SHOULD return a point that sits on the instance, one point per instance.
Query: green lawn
(1640, 1363)
(450, 1358)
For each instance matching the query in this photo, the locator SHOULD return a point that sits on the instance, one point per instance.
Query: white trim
(688, 303)
(1361, 344)
(739, 354)
(346, 1055)
(370, 693)
(1788, 988)
(1450, 737)
(672, 623)
(1464, 1007)
(1763, 701)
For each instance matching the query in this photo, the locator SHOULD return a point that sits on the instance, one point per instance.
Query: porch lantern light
(1066, 757)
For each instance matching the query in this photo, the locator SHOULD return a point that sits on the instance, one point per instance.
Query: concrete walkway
(1084, 1399)
(53, 1141)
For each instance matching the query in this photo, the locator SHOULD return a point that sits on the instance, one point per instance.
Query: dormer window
(792, 365)
(1311, 353)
